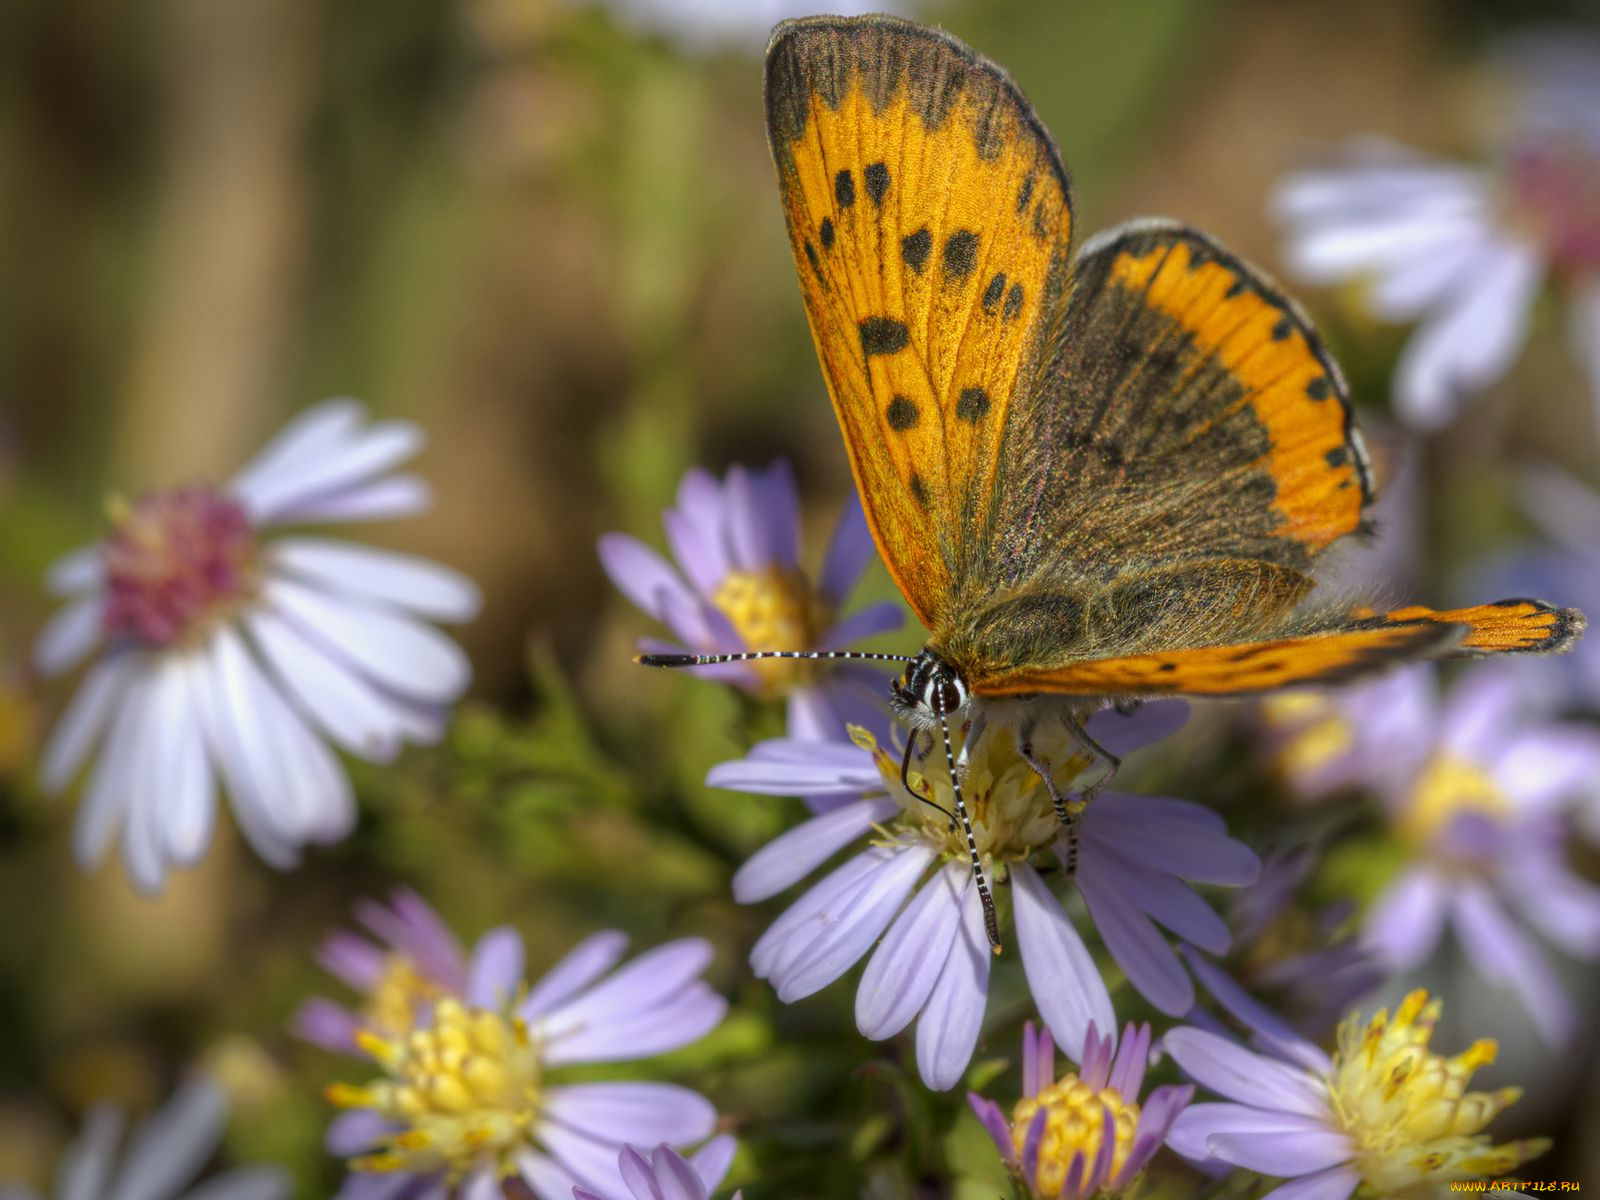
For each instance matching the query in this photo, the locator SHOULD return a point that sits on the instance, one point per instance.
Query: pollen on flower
(775, 608)
(463, 1091)
(176, 562)
(1012, 815)
(1408, 1109)
(400, 994)
(1449, 787)
(1077, 1119)
(1316, 732)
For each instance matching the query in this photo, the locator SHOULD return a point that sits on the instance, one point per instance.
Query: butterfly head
(929, 688)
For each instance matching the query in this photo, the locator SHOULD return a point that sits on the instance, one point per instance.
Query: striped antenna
(706, 660)
(991, 927)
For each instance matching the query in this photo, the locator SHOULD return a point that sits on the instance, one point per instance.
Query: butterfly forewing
(930, 221)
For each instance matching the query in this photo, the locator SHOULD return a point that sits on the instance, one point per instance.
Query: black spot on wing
(1235, 289)
(902, 413)
(919, 490)
(1013, 303)
(993, 293)
(1282, 329)
(882, 335)
(972, 404)
(1337, 457)
(844, 189)
(1025, 193)
(960, 254)
(877, 180)
(915, 248)
(825, 232)
(1320, 388)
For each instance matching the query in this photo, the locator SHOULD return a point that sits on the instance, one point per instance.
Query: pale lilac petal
(849, 551)
(380, 576)
(1197, 1125)
(1249, 1078)
(1127, 1071)
(481, 1184)
(409, 924)
(592, 1162)
(1134, 941)
(583, 964)
(1159, 1110)
(1409, 286)
(1336, 1183)
(324, 1023)
(649, 979)
(749, 533)
(1481, 709)
(644, 577)
(384, 499)
(398, 652)
(1470, 343)
(1565, 908)
(947, 1031)
(496, 970)
(711, 1161)
(637, 1176)
(1146, 725)
(245, 1183)
(883, 617)
(1171, 836)
(1503, 953)
(363, 454)
(87, 1163)
(777, 500)
(71, 634)
(834, 889)
(903, 970)
(1238, 1003)
(1280, 1152)
(684, 1018)
(356, 1132)
(792, 856)
(1404, 923)
(81, 571)
(695, 531)
(1066, 986)
(839, 941)
(548, 1179)
(646, 1113)
(995, 1125)
(86, 717)
(1547, 767)
(790, 767)
(167, 1150)
(1169, 901)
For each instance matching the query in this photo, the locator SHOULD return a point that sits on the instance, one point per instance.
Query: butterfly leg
(1042, 770)
(1097, 752)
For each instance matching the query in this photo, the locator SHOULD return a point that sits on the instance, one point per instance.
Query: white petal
(88, 1161)
(245, 1183)
(947, 1031)
(71, 634)
(1471, 343)
(169, 1149)
(1583, 329)
(80, 727)
(105, 799)
(384, 576)
(380, 500)
(310, 433)
(396, 651)
(904, 968)
(1061, 974)
(186, 801)
(81, 571)
(371, 452)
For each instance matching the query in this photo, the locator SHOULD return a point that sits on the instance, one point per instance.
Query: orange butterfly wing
(1358, 645)
(930, 221)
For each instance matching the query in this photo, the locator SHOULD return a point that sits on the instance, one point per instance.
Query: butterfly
(1096, 477)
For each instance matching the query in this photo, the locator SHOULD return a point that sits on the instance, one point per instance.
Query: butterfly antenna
(706, 660)
(990, 925)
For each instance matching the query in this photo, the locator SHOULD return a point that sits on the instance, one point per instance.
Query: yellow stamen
(1074, 1125)
(1408, 1110)
(775, 609)
(1447, 788)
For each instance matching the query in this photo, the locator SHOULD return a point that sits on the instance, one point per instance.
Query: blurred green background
(549, 233)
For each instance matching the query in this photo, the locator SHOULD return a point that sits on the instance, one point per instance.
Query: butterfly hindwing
(1334, 652)
(1191, 414)
(930, 221)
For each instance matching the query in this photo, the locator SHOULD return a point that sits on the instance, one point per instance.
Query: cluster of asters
(233, 659)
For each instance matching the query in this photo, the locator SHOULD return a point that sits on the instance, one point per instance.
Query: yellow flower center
(399, 997)
(1012, 815)
(1415, 1125)
(1447, 788)
(775, 609)
(1074, 1124)
(1317, 734)
(465, 1090)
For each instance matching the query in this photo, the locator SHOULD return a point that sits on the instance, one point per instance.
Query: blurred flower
(166, 1153)
(667, 1175)
(223, 650)
(1385, 1113)
(1083, 1134)
(1133, 855)
(470, 1057)
(1312, 964)
(1464, 249)
(747, 22)
(738, 546)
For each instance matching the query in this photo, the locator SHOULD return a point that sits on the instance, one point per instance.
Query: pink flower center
(175, 562)
(1556, 185)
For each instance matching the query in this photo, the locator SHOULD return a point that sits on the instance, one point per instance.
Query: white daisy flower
(166, 1153)
(225, 657)
(1464, 250)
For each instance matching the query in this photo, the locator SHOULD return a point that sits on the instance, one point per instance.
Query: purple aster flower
(1385, 1113)
(1464, 250)
(1312, 966)
(739, 586)
(909, 896)
(166, 1153)
(472, 1059)
(228, 657)
(1083, 1134)
(667, 1175)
